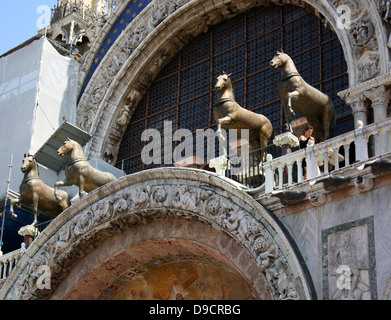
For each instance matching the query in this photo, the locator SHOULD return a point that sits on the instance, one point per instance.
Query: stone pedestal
(28, 232)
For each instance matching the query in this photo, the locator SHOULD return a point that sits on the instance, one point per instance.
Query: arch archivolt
(158, 195)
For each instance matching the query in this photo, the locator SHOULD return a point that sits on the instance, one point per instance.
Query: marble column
(359, 110)
(380, 98)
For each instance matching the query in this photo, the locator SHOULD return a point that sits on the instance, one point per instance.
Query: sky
(19, 19)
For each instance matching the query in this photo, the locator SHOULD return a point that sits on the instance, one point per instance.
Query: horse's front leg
(82, 193)
(13, 202)
(293, 95)
(225, 120)
(60, 184)
(35, 205)
(220, 122)
(289, 114)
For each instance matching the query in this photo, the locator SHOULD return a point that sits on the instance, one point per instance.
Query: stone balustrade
(329, 156)
(8, 262)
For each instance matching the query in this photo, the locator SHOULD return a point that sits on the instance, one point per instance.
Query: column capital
(380, 94)
(28, 230)
(357, 103)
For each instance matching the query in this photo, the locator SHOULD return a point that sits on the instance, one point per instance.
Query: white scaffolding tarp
(38, 88)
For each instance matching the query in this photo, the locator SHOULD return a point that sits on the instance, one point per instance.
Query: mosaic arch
(120, 237)
(121, 67)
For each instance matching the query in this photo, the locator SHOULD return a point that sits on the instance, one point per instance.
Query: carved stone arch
(143, 49)
(381, 35)
(246, 237)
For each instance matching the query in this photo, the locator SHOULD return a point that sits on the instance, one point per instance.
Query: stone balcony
(8, 263)
(354, 159)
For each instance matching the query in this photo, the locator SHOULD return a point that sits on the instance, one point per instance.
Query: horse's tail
(273, 135)
(332, 117)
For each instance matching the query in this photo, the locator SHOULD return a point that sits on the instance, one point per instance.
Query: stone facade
(331, 245)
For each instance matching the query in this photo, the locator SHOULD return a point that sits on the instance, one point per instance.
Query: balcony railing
(331, 155)
(283, 171)
(248, 168)
(8, 262)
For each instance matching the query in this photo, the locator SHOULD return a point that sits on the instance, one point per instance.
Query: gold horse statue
(34, 190)
(230, 115)
(79, 172)
(299, 97)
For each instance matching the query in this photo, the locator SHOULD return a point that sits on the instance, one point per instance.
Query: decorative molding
(366, 86)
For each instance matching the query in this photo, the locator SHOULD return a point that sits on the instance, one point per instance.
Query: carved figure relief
(385, 12)
(369, 68)
(349, 265)
(363, 36)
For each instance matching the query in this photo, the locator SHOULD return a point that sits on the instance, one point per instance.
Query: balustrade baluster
(326, 162)
(11, 266)
(347, 155)
(336, 158)
(280, 176)
(269, 174)
(5, 264)
(290, 173)
(300, 176)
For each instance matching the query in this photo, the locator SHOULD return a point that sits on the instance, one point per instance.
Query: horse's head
(66, 147)
(28, 163)
(279, 60)
(223, 82)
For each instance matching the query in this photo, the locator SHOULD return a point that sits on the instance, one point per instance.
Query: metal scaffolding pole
(5, 203)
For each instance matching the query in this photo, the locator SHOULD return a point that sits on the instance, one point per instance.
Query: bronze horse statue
(299, 97)
(230, 115)
(79, 172)
(34, 190)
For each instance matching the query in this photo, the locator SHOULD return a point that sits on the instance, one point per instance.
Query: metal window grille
(184, 91)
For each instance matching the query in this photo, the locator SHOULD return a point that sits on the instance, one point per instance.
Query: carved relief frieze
(385, 13)
(363, 37)
(349, 264)
(354, 5)
(122, 120)
(139, 204)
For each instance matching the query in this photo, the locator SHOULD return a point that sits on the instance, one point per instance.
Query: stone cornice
(365, 86)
